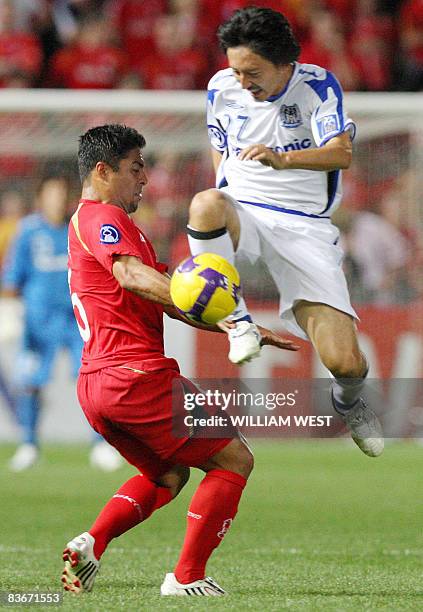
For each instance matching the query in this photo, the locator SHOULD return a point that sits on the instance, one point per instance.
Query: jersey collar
(281, 93)
(88, 201)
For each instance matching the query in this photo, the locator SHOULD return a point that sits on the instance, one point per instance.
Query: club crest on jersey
(327, 125)
(217, 137)
(290, 116)
(109, 234)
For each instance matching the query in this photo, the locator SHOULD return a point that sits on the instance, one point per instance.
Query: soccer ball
(205, 288)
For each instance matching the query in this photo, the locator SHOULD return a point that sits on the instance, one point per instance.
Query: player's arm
(15, 267)
(268, 337)
(133, 275)
(336, 154)
(8, 292)
(145, 281)
(216, 158)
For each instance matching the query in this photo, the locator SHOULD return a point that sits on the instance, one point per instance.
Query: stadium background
(373, 47)
(376, 50)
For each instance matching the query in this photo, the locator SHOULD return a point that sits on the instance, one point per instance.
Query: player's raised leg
(210, 515)
(334, 337)
(214, 227)
(133, 503)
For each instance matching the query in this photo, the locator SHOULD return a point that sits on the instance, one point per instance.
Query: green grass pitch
(320, 527)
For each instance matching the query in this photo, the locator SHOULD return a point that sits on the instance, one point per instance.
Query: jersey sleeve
(17, 262)
(109, 233)
(329, 117)
(216, 131)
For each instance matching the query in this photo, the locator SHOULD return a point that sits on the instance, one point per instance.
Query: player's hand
(271, 339)
(264, 155)
(226, 325)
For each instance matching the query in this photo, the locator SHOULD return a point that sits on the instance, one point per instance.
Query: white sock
(219, 242)
(346, 391)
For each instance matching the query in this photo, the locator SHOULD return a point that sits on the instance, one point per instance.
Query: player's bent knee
(247, 463)
(175, 479)
(345, 365)
(208, 209)
(235, 457)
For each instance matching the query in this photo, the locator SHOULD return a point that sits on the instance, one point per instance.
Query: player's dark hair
(264, 31)
(107, 143)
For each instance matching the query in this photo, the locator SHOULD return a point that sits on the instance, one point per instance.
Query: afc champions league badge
(109, 234)
(290, 116)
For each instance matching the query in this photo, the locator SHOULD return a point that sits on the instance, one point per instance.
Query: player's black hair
(264, 31)
(107, 143)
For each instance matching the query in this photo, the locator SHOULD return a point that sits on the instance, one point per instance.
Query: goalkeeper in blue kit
(36, 271)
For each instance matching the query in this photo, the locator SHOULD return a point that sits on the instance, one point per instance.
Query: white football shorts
(302, 256)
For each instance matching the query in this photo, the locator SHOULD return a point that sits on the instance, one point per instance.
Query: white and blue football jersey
(307, 113)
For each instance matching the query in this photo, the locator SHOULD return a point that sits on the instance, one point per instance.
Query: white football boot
(81, 566)
(205, 588)
(365, 428)
(25, 457)
(104, 457)
(244, 340)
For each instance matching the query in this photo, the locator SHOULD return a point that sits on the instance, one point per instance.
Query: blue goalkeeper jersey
(36, 266)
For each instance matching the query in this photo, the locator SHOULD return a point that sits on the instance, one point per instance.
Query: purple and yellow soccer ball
(205, 288)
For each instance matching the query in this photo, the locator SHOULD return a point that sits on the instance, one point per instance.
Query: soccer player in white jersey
(280, 137)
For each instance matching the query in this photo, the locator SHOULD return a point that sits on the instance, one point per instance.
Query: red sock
(135, 501)
(210, 514)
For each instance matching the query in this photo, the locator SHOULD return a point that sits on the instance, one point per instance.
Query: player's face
(53, 200)
(256, 74)
(127, 183)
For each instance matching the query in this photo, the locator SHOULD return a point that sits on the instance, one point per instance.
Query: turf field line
(21, 549)
(407, 552)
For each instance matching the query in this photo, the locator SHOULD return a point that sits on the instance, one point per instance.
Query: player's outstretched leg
(214, 227)
(210, 515)
(333, 334)
(364, 426)
(133, 503)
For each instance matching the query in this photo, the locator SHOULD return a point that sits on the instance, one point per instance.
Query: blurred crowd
(372, 45)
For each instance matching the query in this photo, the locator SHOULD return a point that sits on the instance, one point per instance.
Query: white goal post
(375, 112)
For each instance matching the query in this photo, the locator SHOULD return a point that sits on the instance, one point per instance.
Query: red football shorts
(133, 412)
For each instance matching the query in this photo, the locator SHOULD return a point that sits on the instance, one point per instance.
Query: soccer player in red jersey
(119, 294)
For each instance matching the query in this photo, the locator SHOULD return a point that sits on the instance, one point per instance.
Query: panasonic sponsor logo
(295, 145)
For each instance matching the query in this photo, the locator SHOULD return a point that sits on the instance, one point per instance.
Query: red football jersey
(118, 326)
